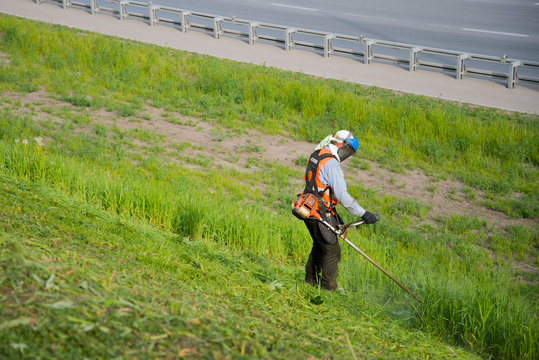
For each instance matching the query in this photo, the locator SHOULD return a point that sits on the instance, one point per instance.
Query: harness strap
(311, 173)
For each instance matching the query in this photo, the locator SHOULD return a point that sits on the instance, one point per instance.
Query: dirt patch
(443, 197)
(4, 58)
(234, 149)
(224, 146)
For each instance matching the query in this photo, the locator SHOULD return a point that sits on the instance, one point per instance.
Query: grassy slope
(486, 149)
(78, 281)
(471, 298)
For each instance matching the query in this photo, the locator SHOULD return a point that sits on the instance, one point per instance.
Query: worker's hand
(370, 218)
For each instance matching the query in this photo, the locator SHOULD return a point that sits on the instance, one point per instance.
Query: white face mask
(335, 151)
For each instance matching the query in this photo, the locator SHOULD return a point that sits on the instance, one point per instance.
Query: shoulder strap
(311, 171)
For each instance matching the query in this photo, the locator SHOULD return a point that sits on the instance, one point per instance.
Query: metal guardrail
(291, 37)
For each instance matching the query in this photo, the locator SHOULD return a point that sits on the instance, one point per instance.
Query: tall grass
(79, 282)
(502, 324)
(463, 298)
(485, 148)
(171, 202)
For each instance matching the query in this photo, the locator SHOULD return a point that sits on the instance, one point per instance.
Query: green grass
(487, 149)
(80, 282)
(109, 242)
(90, 169)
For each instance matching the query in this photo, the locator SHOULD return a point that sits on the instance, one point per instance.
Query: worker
(325, 179)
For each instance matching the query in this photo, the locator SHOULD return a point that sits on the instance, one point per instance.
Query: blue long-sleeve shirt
(330, 174)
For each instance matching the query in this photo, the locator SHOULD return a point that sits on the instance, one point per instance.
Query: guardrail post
(123, 13)
(39, 2)
(414, 62)
(328, 49)
(512, 78)
(368, 56)
(153, 9)
(461, 68)
(288, 41)
(93, 7)
(217, 31)
(252, 32)
(65, 4)
(185, 23)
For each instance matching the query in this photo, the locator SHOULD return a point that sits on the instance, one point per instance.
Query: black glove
(370, 218)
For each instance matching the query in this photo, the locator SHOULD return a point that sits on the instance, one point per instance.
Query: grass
(111, 243)
(80, 282)
(90, 169)
(487, 149)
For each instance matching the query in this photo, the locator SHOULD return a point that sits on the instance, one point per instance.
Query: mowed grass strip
(79, 282)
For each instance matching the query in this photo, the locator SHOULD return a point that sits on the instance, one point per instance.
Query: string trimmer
(342, 231)
(306, 208)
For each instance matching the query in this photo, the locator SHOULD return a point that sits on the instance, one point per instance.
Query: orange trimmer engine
(306, 207)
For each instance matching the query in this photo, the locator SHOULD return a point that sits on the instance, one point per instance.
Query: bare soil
(4, 58)
(232, 150)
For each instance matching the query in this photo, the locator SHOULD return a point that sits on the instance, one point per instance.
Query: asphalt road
(489, 27)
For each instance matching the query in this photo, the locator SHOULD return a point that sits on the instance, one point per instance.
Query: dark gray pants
(322, 266)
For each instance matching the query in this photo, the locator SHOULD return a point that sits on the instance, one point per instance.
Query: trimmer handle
(359, 222)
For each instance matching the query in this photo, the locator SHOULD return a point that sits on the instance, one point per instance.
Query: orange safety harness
(309, 202)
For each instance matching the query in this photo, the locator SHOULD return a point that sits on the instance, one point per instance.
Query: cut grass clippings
(79, 282)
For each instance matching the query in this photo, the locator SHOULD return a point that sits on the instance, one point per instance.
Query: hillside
(148, 218)
(79, 282)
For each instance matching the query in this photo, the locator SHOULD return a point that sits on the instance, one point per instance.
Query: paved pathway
(469, 90)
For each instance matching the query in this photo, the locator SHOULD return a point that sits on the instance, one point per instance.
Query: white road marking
(495, 32)
(372, 17)
(294, 7)
(443, 26)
